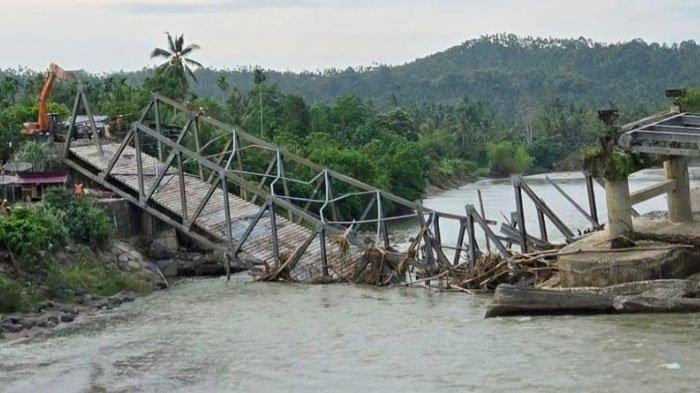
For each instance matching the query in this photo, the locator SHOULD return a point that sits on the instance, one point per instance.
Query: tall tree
(258, 79)
(222, 83)
(9, 88)
(177, 57)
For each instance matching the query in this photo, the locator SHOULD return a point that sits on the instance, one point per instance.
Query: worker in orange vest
(79, 189)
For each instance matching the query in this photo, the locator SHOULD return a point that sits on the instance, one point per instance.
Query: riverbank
(434, 189)
(94, 281)
(71, 282)
(52, 314)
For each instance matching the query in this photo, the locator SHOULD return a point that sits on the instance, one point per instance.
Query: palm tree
(222, 83)
(177, 57)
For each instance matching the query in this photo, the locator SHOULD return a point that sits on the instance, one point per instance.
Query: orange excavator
(46, 122)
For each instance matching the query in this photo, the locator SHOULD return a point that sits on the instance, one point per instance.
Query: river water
(210, 335)
(499, 200)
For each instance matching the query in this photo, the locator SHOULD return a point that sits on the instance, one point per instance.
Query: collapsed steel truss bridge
(261, 203)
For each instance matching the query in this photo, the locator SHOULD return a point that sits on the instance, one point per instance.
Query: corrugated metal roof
(42, 178)
(100, 120)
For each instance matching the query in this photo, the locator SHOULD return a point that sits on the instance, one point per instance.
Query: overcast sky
(102, 35)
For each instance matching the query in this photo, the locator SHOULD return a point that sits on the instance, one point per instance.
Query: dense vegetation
(32, 240)
(513, 74)
(498, 104)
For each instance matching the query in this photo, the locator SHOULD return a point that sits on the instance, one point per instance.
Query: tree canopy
(497, 104)
(177, 57)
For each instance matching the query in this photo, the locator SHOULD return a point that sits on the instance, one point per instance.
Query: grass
(40, 270)
(88, 275)
(65, 281)
(691, 102)
(13, 297)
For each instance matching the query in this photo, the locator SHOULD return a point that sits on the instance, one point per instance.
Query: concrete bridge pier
(662, 251)
(130, 221)
(617, 199)
(676, 186)
(679, 206)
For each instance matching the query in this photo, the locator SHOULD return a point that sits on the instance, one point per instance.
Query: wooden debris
(283, 271)
(378, 266)
(491, 270)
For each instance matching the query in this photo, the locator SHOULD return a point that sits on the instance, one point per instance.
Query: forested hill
(497, 105)
(509, 73)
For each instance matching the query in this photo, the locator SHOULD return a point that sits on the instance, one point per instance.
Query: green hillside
(497, 104)
(509, 73)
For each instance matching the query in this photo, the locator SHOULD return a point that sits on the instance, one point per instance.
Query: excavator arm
(42, 124)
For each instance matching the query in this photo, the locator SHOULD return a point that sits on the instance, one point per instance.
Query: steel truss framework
(233, 162)
(674, 134)
(176, 147)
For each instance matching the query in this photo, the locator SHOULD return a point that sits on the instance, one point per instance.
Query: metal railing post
(156, 110)
(273, 230)
(591, 198)
(542, 224)
(520, 214)
(473, 247)
(460, 242)
(324, 256)
(227, 213)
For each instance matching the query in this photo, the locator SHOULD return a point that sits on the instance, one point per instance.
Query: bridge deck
(676, 134)
(212, 219)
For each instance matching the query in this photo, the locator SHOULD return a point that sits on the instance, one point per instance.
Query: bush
(86, 222)
(507, 157)
(12, 296)
(58, 197)
(691, 102)
(450, 168)
(27, 233)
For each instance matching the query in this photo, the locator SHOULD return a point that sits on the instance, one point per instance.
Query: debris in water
(492, 269)
(671, 366)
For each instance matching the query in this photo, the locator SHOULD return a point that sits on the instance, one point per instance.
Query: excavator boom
(42, 124)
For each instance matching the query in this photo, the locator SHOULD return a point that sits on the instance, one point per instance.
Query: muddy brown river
(210, 335)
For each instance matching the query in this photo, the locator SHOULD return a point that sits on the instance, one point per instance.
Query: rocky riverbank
(51, 314)
(147, 267)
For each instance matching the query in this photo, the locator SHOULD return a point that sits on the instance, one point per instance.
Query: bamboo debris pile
(380, 267)
(491, 270)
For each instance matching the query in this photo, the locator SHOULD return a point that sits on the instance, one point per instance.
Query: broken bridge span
(233, 191)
